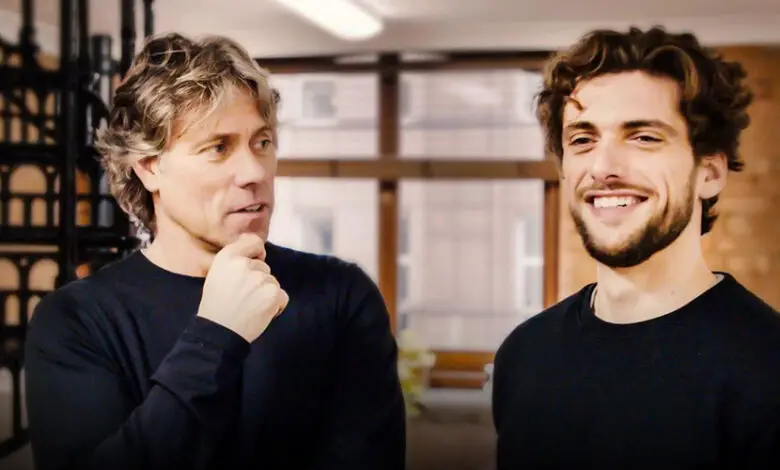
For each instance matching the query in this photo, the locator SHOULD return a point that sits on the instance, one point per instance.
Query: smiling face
(628, 168)
(216, 179)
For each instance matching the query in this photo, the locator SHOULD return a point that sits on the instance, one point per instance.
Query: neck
(667, 281)
(175, 250)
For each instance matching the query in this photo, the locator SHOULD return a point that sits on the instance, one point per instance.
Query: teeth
(612, 201)
(255, 208)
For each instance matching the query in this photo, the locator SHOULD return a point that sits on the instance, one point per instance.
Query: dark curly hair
(713, 97)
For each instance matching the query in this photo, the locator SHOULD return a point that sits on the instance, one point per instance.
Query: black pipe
(127, 18)
(27, 32)
(69, 138)
(148, 18)
(83, 28)
(103, 68)
(86, 126)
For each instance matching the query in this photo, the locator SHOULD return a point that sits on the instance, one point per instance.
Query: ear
(148, 171)
(712, 175)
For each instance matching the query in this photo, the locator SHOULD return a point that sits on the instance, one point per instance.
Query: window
(404, 271)
(327, 116)
(410, 99)
(526, 87)
(469, 265)
(317, 101)
(471, 115)
(317, 231)
(465, 240)
(327, 216)
(528, 256)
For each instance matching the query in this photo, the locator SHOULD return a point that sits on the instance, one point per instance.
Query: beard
(659, 232)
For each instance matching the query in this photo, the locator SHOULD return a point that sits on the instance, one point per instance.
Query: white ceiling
(412, 25)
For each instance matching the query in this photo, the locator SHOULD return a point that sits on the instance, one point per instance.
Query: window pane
(337, 217)
(327, 115)
(475, 260)
(470, 115)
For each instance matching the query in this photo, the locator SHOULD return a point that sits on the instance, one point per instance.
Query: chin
(616, 247)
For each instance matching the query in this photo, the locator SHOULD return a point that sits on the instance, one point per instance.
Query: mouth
(613, 207)
(614, 201)
(254, 208)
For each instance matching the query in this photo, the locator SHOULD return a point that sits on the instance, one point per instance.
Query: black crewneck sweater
(698, 388)
(121, 374)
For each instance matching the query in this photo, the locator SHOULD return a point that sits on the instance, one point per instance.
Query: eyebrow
(628, 125)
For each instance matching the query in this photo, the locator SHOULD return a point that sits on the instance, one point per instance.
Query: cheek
(197, 193)
(674, 187)
(571, 178)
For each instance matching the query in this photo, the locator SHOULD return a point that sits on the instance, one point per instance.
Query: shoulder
(65, 315)
(744, 317)
(337, 282)
(77, 308)
(748, 327)
(284, 258)
(744, 332)
(539, 333)
(543, 325)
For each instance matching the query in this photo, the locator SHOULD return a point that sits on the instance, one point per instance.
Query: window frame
(453, 369)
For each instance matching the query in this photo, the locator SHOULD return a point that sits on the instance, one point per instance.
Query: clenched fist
(240, 293)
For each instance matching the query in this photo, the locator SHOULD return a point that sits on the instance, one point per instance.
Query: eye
(219, 148)
(580, 140)
(648, 139)
(263, 144)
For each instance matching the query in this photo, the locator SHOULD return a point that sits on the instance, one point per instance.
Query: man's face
(216, 180)
(628, 167)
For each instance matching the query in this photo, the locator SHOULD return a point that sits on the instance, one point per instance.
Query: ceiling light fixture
(342, 18)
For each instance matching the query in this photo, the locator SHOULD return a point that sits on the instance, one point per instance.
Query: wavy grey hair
(171, 77)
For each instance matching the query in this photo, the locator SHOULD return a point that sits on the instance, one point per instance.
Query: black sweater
(121, 374)
(698, 388)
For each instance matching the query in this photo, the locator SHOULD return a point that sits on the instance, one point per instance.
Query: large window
(328, 216)
(483, 114)
(432, 177)
(327, 115)
(463, 259)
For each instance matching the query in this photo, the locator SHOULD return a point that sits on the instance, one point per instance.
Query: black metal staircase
(48, 118)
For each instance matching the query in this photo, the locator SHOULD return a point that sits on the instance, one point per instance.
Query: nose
(249, 168)
(607, 164)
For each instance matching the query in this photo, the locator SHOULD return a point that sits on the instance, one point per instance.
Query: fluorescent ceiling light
(342, 18)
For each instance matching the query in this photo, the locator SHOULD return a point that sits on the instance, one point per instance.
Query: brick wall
(742, 241)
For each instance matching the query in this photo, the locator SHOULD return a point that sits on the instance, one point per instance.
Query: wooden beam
(552, 204)
(462, 361)
(369, 63)
(389, 128)
(391, 169)
(460, 369)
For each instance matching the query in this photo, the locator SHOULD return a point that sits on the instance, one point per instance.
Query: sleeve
(82, 414)
(366, 422)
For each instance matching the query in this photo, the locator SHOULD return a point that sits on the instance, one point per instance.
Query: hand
(240, 293)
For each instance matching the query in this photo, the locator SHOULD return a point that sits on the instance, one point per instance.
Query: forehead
(610, 100)
(237, 112)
